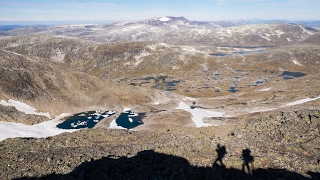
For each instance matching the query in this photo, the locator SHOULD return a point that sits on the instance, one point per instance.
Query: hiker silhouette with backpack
(221, 151)
(247, 159)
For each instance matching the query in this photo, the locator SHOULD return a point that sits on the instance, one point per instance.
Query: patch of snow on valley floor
(199, 114)
(41, 130)
(23, 107)
(114, 125)
(302, 101)
(297, 63)
(265, 89)
(189, 98)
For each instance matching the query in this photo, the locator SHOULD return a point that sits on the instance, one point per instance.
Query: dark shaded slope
(152, 165)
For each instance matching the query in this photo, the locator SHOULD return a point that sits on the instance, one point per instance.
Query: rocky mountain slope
(54, 87)
(282, 146)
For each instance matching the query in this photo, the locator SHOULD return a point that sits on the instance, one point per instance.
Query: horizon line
(56, 22)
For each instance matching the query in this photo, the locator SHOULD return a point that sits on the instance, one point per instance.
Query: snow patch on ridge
(23, 107)
(164, 19)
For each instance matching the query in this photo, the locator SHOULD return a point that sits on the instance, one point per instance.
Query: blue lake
(86, 119)
(130, 119)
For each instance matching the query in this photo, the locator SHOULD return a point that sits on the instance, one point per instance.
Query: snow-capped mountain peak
(164, 19)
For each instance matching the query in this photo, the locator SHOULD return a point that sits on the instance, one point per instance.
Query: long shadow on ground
(152, 165)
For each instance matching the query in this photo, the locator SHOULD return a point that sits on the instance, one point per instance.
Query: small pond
(129, 119)
(287, 75)
(86, 119)
(235, 53)
(258, 82)
(159, 83)
(157, 79)
(206, 86)
(167, 86)
(233, 90)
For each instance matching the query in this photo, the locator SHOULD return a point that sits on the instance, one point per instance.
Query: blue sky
(206, 10)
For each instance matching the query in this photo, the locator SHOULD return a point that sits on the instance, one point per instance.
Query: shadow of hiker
(221, 152)
(153, 165)
(247, 160)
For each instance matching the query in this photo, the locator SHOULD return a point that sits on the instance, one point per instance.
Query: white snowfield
(265, 89)
(126, 109)
(23, 107)
(302, 101)
(199, 114)
(44, 129)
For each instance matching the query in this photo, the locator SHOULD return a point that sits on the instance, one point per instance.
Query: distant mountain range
(156, 21)
(179, 30)
(169, 20)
